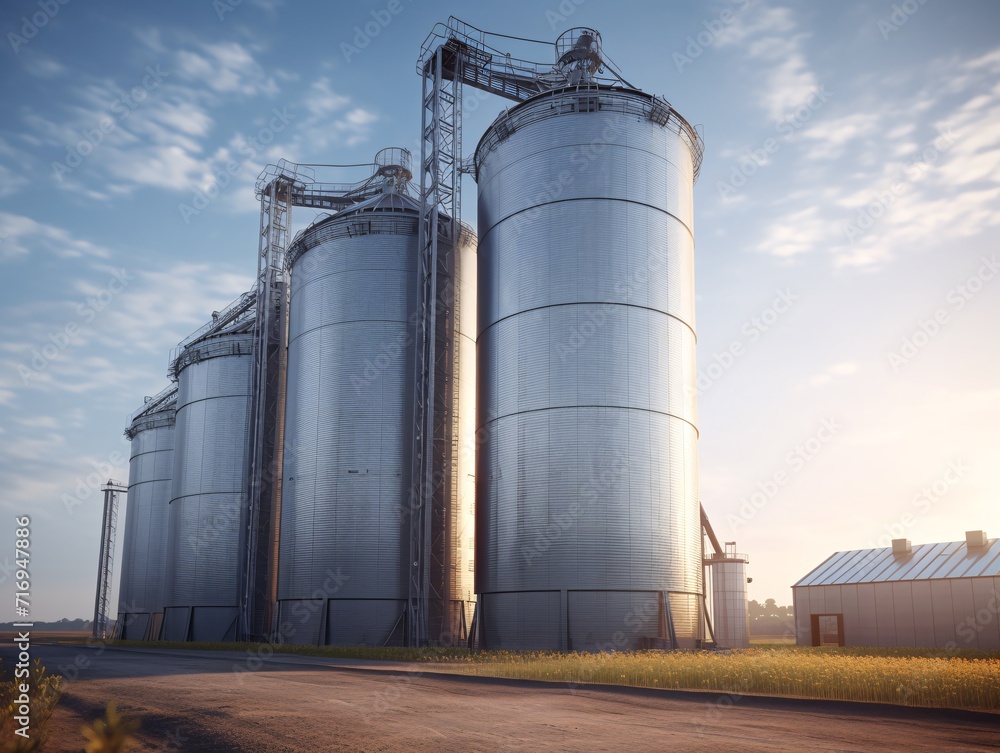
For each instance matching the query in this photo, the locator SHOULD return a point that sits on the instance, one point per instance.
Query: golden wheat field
(883, 676)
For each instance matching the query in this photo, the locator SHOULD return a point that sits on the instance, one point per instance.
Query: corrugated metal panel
(942, 612)
(524, 618)
(208, 499)
(902, 605)
(852, 613)
(923, 613)
(832, 596)
(867, 616)
(964, 610)
(885, 614)
(986, 591)
(587, 399)
(801, 610)
(925, 562)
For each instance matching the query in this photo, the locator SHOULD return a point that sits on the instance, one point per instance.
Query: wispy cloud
(924, 165)
(21, 236)
(225, 67)
(771, 39)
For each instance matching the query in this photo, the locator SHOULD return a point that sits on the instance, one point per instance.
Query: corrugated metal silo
(590, 534)
(344, 544)
(730, 618)
(144, 550)
(208, 501)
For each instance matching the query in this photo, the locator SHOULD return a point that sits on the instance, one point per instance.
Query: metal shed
(930, 595)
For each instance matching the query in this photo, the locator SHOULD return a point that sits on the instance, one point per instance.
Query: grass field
(913, 677)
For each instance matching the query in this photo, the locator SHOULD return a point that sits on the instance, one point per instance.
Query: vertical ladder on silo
(275, 221)
(109, 529)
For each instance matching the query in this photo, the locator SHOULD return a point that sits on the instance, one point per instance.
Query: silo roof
(389, 201)
(924, 562)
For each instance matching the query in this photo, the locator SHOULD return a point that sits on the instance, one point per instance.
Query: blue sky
(847, 225)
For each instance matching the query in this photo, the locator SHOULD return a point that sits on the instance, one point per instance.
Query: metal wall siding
(852, 613)
(144, 547)
(942, 612)
(637, 255)
(867, 616)
(923, 613)
(642, 164)
(963, 607)
(588, 469)
(349, 415)
(556, 357)
(208, 497)
(902, 605)
(885, 614)
(984, 592)
(514, 620)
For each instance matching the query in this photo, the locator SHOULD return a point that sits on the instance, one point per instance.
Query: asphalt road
(195, 701)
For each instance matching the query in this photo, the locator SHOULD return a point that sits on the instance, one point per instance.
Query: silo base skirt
(139, 626)
(589, 620)
(341, 622)
(204, 624)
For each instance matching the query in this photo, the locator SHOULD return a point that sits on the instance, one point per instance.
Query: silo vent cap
(901, 546)
(975, 539)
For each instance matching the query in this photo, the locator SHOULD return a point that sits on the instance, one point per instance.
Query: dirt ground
(225, 701)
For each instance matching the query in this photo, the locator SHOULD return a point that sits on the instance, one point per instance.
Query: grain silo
(589, 530)
(213, 369)
(144, 550)
(344, 554)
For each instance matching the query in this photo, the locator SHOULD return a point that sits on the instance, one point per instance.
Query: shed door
(828, 630)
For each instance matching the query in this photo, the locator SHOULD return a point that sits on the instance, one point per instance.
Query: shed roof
(924, 562)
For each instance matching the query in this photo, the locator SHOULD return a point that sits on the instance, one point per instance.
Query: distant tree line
(63, 624)
(770, 619)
